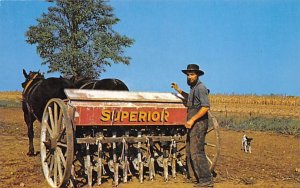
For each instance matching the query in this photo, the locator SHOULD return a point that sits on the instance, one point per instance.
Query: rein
(28, 84)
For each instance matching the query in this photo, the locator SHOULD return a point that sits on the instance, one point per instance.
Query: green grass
(260, 123)
(10, 104)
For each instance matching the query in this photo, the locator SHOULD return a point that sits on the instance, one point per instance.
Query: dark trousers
(197, 163)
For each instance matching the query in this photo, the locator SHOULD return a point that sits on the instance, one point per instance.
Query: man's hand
(189, 124)
(175, 86)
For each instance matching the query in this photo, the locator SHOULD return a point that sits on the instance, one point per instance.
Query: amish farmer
(197, 124)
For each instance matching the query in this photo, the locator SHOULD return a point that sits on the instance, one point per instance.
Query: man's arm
(203, 110)
(176, 87)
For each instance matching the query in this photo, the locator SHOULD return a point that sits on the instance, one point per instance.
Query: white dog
(246, 144)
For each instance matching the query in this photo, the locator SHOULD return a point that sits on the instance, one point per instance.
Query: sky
(244, 47)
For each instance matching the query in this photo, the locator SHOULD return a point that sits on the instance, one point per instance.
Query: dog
(246, 144)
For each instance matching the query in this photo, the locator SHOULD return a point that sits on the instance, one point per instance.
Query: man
(197, 124)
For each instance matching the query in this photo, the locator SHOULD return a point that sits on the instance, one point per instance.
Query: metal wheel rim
(57, 143)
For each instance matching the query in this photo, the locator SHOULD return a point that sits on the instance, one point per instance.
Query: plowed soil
(272, 163)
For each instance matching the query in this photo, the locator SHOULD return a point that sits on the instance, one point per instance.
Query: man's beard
(191, 83)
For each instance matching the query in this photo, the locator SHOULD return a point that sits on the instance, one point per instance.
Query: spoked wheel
(212, 142)
(57, 143)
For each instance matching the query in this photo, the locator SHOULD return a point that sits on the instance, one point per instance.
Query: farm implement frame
(98, 134)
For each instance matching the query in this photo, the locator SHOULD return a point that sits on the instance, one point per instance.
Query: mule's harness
(28, 84)
(94, 82)
(30, 90)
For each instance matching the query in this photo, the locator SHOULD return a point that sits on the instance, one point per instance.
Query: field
(271, 106)
(273, 163)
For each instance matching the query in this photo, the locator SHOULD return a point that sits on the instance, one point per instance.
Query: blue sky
(244, 47)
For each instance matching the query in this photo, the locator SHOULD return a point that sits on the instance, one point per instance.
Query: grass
(10, 104)
(10, 99)
(260, 123)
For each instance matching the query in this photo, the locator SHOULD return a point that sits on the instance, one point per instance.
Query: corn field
(279, 106)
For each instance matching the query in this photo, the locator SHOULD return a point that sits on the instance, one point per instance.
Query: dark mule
(37, 92)
(104, 84)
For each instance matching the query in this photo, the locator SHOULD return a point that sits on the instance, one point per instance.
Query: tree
(76, 38)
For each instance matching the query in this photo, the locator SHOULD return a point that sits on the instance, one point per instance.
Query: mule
(36, 93)
(104, 84)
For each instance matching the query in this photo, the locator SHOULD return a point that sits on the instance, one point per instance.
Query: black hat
(193, 67)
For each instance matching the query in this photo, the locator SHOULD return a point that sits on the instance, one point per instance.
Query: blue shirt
(198, 96)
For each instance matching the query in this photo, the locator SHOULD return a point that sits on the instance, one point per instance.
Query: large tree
(76, 38)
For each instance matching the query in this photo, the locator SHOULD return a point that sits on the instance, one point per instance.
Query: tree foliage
(76, 38)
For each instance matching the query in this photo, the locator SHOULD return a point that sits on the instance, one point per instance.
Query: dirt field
(272, 163)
